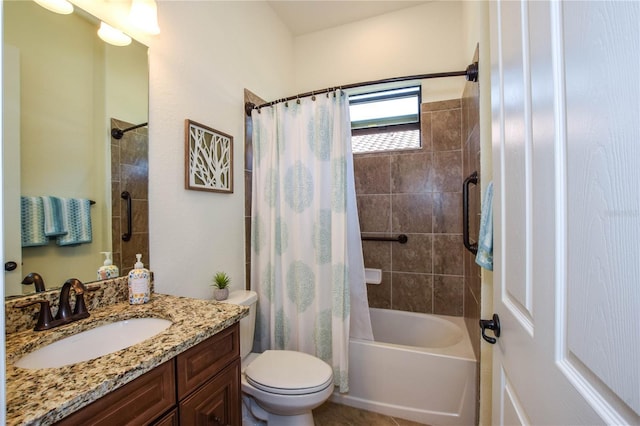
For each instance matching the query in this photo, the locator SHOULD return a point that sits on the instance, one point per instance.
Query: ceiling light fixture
(113, 36)
(58, 6)
(144, 15)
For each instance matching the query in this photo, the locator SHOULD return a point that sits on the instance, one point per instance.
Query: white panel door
(11, 167)
(566, 147)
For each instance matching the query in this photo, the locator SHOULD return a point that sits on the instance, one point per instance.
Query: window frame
(387, 128)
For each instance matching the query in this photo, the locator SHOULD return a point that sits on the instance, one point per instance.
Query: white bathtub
(421, 367)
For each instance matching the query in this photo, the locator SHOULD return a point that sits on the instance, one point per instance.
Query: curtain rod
(471, 73)
(119, 133)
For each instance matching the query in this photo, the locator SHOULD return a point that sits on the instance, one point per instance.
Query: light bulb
(144, 15)
(113, 36)
(58, 6)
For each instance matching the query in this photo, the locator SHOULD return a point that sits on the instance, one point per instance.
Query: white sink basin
(93, 343)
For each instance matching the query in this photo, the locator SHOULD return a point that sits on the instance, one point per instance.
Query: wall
(422, 39)
(417, 193)
(205, 56)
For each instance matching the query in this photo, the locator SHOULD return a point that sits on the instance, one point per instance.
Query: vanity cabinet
(200, 386)
(208, 381)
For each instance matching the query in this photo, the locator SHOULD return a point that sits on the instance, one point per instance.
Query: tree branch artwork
(208, 159)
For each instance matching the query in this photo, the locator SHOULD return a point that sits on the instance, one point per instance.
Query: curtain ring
(313, 97)
(298, 101)
(286, 103)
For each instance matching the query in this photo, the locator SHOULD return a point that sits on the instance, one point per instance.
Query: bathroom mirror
(62, 87)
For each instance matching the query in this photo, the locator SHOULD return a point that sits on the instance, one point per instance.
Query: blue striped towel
(484, 257)
(32, 222)
(76, 216)
(54, 217)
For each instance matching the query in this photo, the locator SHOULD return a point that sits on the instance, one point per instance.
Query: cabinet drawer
(198, 364)
(170, 419)
(136, 403)
(217, 402)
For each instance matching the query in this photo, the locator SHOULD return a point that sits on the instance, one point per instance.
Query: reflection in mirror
(62, 87)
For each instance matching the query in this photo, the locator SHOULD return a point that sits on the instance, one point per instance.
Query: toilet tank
(248, 323)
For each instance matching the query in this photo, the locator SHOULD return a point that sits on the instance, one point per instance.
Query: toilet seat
(288, 373)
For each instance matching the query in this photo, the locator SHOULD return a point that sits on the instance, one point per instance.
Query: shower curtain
(306, 263)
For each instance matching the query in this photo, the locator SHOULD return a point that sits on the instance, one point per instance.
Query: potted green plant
(221, 283)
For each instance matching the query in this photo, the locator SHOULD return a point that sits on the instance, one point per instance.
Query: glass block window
(387, 120)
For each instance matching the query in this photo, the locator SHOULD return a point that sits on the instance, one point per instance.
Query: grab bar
(471, 179)
(402, 239)
(126, 196)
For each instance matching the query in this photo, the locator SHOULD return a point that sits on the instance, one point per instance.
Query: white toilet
(279, 387)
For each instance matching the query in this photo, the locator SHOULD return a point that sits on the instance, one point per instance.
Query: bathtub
(420, 367)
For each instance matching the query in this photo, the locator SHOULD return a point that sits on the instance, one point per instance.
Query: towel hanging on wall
(54, 217)
(32, 222)
(484, 257)
(66, 219)
(76, 214)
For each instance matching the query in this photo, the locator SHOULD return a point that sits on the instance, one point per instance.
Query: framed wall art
(208, 158)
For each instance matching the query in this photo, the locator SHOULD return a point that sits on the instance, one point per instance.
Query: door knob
(10, 266)
(492, 324)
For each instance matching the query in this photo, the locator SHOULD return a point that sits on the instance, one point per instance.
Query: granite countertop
(47, 395)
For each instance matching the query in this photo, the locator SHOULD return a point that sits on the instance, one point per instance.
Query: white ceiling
(307, 16)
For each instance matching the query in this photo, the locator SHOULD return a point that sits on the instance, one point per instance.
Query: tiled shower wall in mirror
(130, 172)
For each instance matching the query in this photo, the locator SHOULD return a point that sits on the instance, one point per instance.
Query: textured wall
(205, 56)
(422, 39)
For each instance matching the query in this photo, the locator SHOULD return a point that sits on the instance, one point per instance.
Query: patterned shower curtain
(306, 262)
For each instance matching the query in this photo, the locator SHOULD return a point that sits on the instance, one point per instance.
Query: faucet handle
(45, 319)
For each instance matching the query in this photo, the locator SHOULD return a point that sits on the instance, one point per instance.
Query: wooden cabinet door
(169, 419)
(136, 403)
(198, 364)
(217, 402)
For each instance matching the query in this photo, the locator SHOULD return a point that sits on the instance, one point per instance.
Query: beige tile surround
(417, 193)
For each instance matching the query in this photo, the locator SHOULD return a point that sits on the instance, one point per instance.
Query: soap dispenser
(139, 283)
(108, 269)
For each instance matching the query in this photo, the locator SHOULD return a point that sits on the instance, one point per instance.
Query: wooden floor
(332, 414)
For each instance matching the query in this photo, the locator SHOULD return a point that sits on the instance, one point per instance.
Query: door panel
(513, 414)
(516, 161)
(566, 137)
(602, 239)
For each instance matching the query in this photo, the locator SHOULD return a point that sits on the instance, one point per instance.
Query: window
(385, 120)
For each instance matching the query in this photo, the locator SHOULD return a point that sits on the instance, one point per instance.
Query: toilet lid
(288, 373)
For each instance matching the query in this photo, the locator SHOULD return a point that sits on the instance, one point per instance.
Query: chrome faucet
(34, 278)
(64, 314)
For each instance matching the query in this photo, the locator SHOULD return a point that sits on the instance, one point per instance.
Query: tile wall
(248, 167)
(130, 172)
(417, 193)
